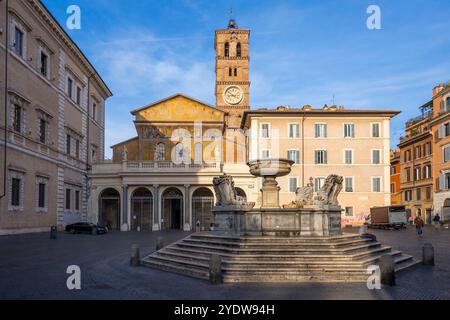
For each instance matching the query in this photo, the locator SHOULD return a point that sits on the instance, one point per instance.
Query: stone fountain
(299, 242)
(307, 216)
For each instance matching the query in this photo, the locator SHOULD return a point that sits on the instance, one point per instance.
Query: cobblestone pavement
(34, 267)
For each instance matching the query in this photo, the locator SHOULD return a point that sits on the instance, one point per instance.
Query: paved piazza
(34, 267)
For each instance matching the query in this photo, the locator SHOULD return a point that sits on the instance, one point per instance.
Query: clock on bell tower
(232, 72)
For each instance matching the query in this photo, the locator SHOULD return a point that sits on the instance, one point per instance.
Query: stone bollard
(53, 233)
(387, 269)
(159, 243)
(135, 256)
(428, 255)
(215, 269)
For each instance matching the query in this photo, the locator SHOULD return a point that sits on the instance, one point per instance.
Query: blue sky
(302, 52)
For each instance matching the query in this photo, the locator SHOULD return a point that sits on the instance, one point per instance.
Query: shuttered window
(321, 156)
(447, 154)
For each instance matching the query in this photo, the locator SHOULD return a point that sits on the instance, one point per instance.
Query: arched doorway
(241, 193)
(202, 204)
(141, 210)
(109, 213)
(446, 211)
(172, 204)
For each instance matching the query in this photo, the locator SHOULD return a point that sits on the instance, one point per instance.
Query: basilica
(162, 178)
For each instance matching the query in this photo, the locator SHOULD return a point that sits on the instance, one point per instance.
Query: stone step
(247, 239)
(264, 257)
(276, 267)
(194, 254)
(275, 243)
(296, 277)
(273, 259)
(307, 276)
(187, 271)
(291, 250)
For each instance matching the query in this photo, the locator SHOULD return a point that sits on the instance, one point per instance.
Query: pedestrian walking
(419, 225)
(437, 221)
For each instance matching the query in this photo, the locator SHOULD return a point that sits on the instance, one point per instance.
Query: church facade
(162, 178)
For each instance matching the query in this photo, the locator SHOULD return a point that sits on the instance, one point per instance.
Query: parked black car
(85, 227)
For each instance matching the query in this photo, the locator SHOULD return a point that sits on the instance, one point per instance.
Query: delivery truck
(387, 217)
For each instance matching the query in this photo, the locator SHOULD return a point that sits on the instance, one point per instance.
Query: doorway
(429, 217)
(141, 210)
(202, 205)
(172, 201)
(109, 213)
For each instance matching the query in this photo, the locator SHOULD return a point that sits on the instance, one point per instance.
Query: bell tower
(232, 72)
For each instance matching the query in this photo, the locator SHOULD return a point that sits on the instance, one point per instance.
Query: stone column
(187, 208)
(156, 212)
(124, 226)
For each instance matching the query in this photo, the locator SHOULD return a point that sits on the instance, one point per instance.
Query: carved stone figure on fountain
(226, 193)
(304, 197)
(328, 194)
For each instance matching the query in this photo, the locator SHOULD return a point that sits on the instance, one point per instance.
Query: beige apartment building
(52, 130)
(333, 140)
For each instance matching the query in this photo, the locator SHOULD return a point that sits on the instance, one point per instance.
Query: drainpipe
(5, 145)
(303, 148)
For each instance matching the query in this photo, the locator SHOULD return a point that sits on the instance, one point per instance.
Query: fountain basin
(270, 167)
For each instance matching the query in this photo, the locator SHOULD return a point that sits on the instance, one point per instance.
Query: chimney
(438, 89)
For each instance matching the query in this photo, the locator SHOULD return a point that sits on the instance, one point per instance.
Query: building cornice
(70, 45)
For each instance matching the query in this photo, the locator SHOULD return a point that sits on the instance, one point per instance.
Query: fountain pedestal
(269, 170)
